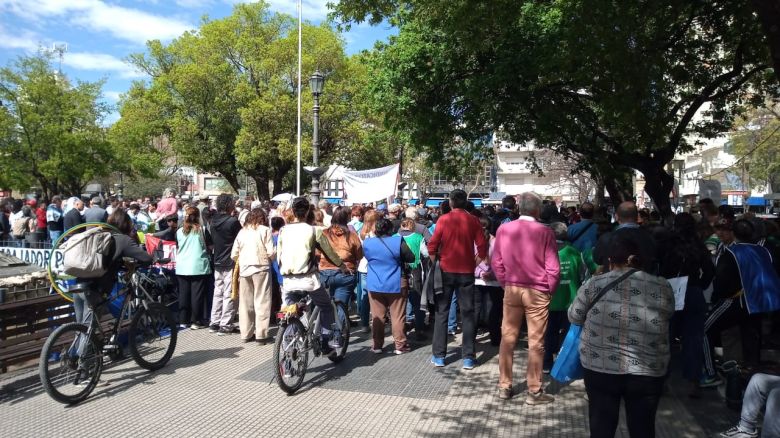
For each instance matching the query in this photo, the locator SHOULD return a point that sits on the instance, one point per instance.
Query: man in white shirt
(295, 253)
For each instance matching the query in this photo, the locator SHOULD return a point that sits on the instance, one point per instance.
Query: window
(334, 188)
(215, 184)
(439, 180)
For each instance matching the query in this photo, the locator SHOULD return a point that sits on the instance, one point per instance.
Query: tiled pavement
(218, 386)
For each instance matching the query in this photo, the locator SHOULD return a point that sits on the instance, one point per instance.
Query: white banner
(362, 186)
(37, 257)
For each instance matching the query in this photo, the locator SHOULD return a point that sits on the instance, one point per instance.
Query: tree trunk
(659, 185)
(278, 170)
(619, 186)
(598, 198)
(278, 180)
(262, 188)
(232, 179)
(769, 13)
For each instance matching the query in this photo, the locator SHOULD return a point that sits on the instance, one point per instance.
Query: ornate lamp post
(316, 82)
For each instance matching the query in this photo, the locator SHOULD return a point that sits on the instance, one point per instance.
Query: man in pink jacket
(525, 262)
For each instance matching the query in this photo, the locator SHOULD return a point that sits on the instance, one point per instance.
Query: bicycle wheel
(343, 316)
(65, 375)
(152, 336)
(291, 356)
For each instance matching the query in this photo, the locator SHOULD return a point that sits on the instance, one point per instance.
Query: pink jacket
(166, 206)
(526, 255)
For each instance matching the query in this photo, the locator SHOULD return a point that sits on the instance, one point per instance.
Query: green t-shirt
(587, 257)
(413, 241)
(191, 255)
(571, 268)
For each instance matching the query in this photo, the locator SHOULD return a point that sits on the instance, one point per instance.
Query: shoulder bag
(567, 365)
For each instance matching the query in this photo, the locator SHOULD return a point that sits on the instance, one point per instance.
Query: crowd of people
(526, 266)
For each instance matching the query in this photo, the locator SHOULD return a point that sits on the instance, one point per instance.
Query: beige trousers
(519, 303)
(254, 310)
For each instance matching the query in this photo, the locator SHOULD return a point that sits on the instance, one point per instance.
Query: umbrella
(283, 197)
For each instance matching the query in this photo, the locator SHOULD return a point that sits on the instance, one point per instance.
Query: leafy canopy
(52, 133)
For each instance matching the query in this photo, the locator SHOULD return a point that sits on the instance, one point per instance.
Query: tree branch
(701, 98)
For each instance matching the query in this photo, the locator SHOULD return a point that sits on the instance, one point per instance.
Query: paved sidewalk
(218, 386)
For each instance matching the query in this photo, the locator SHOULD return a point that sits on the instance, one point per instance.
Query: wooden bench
(25, 325)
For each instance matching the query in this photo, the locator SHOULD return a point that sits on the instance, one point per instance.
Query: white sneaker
(738, 432)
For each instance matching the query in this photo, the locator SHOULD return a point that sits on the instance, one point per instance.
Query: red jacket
(526, 255)
(40, 215)
(454, 238)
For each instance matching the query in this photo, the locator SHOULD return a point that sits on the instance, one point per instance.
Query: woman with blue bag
(624, 345)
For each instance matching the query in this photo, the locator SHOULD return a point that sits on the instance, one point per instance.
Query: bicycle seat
(297, 295)
(79, 288)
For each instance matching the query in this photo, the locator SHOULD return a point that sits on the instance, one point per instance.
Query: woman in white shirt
(253, 250)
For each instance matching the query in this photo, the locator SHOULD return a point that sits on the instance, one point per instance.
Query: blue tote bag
(567, 366)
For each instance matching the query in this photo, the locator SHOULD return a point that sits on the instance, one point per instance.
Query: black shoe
(249, 339)
(214, 328)
(224, 331)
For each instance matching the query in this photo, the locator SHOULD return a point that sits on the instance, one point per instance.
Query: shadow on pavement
(119, 378)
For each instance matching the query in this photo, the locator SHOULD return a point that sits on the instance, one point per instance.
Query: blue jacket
(586, 239)
(759, 279)
(385, 256)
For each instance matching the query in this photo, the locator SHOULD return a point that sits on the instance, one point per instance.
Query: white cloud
(26, 40)
(128, 24)
(315, 10)
(100, 62)
(194, 4)
(112, 95)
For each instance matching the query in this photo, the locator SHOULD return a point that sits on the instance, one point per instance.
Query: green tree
(756, 143)
(52, 133)
(615, 85)
(140, 136)
(226, 97)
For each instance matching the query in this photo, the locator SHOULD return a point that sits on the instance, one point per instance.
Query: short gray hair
(560, 230)
(530, 203)
(411, 213)
(96, 201)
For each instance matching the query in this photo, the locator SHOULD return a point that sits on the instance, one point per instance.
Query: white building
(515, 174)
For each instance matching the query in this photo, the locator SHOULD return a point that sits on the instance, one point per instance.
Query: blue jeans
(413, 312)
(54, 235)
(363, 308)
(762, 393)
(339, 285)
(452, 318)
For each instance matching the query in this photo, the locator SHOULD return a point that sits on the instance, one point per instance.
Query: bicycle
(297, 336)
(71, 361)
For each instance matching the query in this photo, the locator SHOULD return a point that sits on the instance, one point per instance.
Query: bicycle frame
(131, 297)
(309, 315)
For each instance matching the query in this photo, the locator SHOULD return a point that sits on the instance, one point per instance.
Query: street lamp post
(121, 187)
(316, 82)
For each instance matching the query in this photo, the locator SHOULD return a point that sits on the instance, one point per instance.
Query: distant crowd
(526, 265)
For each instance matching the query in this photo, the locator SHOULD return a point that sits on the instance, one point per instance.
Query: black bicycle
(72, 357)
(300, 331)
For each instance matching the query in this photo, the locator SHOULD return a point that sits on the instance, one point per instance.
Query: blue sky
(101, 33)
